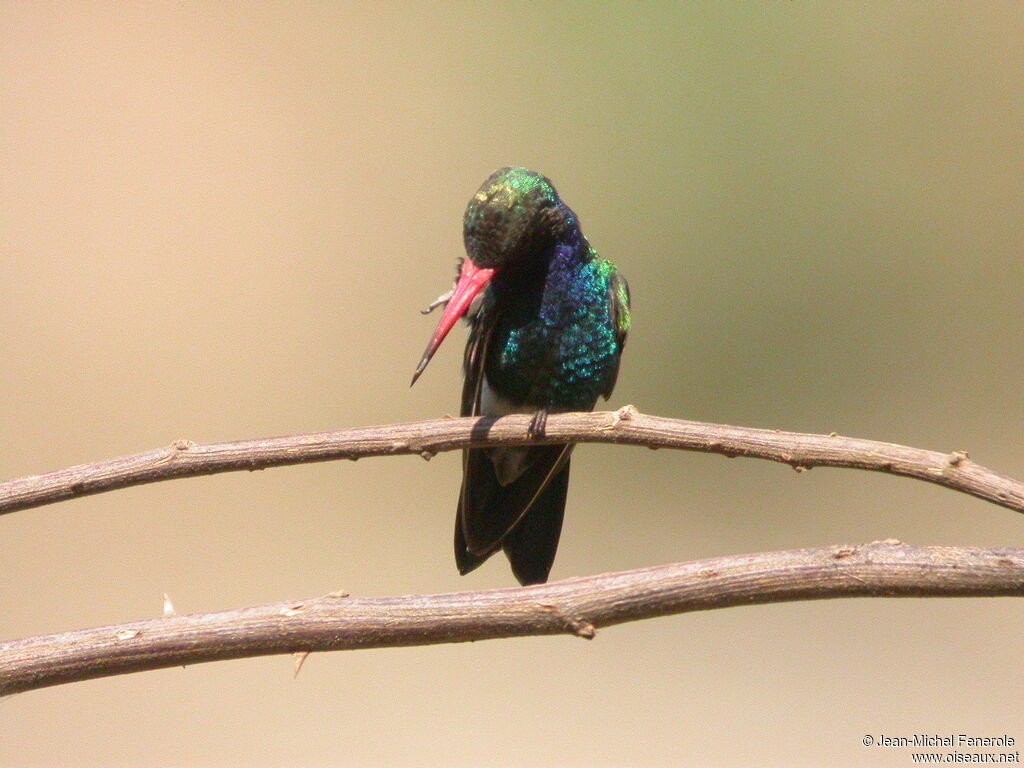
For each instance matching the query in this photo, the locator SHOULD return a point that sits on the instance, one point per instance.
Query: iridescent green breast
(558, 345)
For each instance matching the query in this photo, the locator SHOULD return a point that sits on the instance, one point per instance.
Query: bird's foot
(442, 299)
(538, 423)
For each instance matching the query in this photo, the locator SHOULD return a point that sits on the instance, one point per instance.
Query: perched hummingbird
(548, 320)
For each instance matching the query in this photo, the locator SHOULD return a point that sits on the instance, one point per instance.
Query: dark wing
(619, 314)
(525, 512)
(480, 330)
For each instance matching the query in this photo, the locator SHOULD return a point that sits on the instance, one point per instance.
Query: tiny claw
(442, 299)
(538, 423)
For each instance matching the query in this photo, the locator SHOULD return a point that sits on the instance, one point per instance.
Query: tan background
(219, 221)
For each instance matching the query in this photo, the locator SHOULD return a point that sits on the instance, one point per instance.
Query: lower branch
(575, 606)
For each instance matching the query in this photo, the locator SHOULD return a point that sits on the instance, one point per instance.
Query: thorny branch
(576, 606)
(627, 426)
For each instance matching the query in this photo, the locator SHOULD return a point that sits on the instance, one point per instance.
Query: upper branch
(801, 451)
(576, 606)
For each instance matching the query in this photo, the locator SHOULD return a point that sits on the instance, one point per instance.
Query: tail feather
(524, 515)
(531, 545)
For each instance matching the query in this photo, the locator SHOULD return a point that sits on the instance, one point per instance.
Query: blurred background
(220, 221)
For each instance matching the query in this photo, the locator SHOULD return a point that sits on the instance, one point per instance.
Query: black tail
(524, 517)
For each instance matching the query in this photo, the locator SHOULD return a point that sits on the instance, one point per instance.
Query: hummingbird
(548, 319)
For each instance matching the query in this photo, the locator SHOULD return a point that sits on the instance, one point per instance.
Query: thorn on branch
(583, 629)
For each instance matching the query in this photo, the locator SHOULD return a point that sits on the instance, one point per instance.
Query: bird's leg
(445, 297)
(442, 299)
(538, 423)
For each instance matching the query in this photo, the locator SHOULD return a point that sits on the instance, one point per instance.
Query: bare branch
(426, 438)
(576, 606)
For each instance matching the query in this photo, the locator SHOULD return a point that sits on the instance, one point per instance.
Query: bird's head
(509, 224)
(512, 219)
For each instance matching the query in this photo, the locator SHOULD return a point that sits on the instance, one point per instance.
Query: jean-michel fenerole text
(939, 740)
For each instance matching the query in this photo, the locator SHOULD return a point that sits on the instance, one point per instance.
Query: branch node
(579, 627)
(956, 458)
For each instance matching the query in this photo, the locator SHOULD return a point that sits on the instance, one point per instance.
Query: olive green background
(219, 221)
